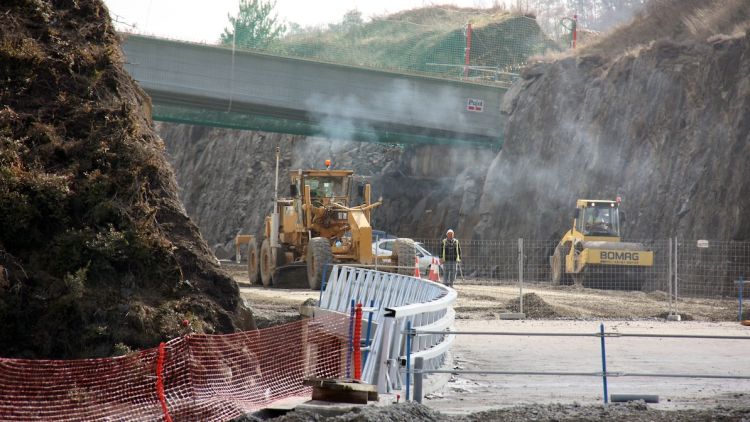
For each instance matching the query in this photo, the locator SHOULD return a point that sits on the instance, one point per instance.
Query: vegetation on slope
(96, 253)
(430, 39)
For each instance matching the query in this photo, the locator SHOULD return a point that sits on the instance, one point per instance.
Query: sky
(204, 21)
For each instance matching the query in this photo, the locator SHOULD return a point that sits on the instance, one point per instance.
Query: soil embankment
(97, 255)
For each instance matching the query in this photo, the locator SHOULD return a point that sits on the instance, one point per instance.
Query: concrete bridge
(216, 86)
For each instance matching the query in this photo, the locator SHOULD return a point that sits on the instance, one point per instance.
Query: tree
(351, 23)
(254, 26)
(352, 20)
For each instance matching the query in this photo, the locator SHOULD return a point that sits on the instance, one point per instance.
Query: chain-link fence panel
(637, 265)
(482, 261)
(696, 279)
(634, 265)
(536, 260)
(711, 268)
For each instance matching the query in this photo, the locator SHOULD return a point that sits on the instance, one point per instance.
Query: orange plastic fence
(202, 377)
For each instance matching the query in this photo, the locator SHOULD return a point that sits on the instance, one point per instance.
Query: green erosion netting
(428, 41)
(433, 41)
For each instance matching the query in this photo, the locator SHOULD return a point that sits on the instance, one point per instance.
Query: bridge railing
(398, 302)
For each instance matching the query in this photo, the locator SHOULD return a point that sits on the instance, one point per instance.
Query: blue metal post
(604, 364)
(408, 359)
(351, 343)
(367, 336)
(323, 284)
(742, 281)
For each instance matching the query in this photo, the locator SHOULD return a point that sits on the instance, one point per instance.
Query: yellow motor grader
(592, 254)
(317, 225)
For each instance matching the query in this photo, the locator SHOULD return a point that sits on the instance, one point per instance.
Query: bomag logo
(618, 256)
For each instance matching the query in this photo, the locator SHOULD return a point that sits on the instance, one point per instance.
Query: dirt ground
(630, 412)
(574, 310)
(487, 301)
(571, 302)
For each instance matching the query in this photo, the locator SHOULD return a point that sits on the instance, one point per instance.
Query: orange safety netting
(202, 377)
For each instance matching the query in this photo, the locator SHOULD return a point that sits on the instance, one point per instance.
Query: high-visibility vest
(455, 247)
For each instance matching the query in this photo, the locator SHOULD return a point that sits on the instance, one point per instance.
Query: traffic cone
(416, 267)
(435, 270)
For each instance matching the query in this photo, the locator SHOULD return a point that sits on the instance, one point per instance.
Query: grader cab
(317, 225)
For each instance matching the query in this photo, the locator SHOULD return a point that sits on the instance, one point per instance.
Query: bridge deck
(202, 84)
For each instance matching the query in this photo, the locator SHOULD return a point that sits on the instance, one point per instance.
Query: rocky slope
(226, 178)
(658, 112)
(97, 255)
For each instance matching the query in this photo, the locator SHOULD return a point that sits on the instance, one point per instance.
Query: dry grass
(676, 20)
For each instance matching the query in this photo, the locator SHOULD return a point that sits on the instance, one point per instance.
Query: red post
(467, 51)
(575, 30)
(160, 382)
(357, 340)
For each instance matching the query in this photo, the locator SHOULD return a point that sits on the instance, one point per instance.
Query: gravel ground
(477, 301)
(637, 411)
(483, 304)
(487, 301)
(627, 412)
(466, 393)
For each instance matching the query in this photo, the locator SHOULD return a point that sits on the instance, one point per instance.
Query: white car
(384, 247)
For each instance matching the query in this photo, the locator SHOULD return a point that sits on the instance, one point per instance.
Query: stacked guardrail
(397, 302)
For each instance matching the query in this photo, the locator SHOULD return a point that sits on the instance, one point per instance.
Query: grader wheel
(319, 255)
(267, 264)
(252, 262)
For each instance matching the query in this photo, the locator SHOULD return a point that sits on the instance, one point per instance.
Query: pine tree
(254, 26)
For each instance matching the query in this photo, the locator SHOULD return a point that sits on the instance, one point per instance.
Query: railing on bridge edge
(416, 369)
(397, 302)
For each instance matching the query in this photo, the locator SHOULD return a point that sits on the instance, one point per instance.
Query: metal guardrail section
(419, 368)
(399, 301)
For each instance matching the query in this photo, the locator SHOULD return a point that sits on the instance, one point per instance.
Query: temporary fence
(682, 270)
(193, 378)
(419, 369)
(709, 268)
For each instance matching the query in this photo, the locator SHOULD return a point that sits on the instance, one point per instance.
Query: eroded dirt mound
(95, 248)
(533, 306)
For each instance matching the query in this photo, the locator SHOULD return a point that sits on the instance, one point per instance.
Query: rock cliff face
(658, 112)
(226, 178)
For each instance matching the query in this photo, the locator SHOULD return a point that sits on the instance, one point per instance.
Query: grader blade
(292, 276)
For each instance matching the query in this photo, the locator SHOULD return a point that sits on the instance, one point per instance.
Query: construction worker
(451, 256)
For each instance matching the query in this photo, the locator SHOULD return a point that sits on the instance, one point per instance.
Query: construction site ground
(481, 300)
(574, 310)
